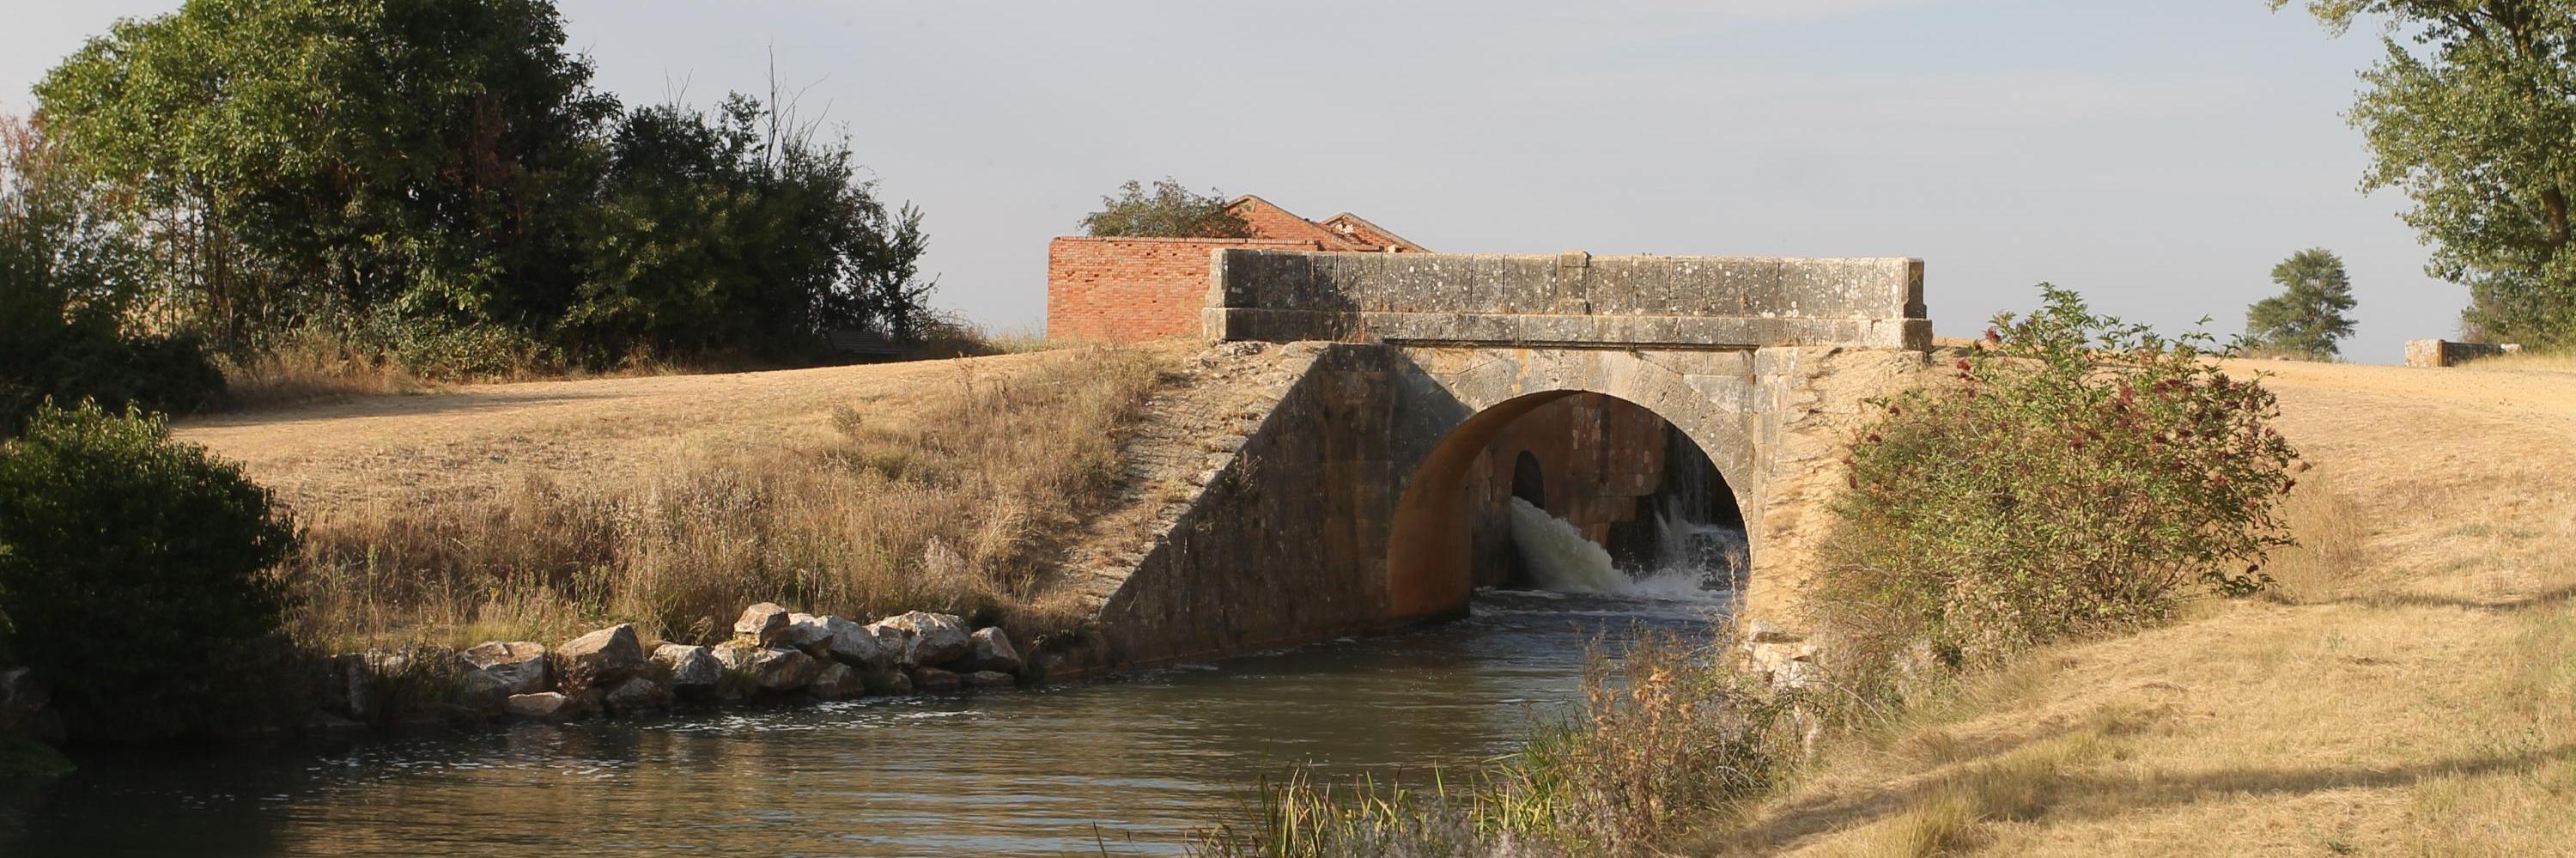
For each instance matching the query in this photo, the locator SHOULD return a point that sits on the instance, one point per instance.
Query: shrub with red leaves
(2080, 476)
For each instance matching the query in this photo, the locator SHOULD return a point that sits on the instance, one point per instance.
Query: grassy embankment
(539, 510)
(2409, 687)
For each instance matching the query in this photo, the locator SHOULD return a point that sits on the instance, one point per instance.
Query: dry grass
(306, 367)
(309, 365)
(2559, 361)
(952, 338)
(949, 496)
(2409, 691)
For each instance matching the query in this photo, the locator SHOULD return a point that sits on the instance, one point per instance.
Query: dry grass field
(530, 510)
(2530, 361)
(2409, 689)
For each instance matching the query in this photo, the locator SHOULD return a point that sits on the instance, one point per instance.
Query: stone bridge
(1425, 390)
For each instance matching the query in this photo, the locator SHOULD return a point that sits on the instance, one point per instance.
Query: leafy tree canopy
(437, 181)
(1170, 211)
(2471, 112)
(731, 229)
(66, 327)
(2310, 315)
(299, 154)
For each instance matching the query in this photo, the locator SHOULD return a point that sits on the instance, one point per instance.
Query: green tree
(2472, 113)
(137, 577)
(740, 231)
(69, 272)
(290, 158)
(1170, 211)
(2308, 317)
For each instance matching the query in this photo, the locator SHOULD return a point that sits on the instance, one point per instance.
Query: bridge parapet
(1572, 300)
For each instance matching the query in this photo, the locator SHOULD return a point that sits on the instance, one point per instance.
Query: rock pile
(775, 653)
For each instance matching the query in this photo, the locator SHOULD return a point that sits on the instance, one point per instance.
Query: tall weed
(1669, 733)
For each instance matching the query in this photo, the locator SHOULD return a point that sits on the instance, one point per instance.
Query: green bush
(136, 575)
(2075, 476)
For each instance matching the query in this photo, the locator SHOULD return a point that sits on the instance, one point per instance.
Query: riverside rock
(929, 640)
(934, 679)
(598, 659)
(836, 682)
(543, 706)
(856, 645)
(990, 649)
(989, 679)
(807, 632)
(344, 685)
(763, 623)
(689, 666)
(23, 706)
(888, 682)
(769, 668)
(637, 694)
(495, 670)
(356, 676)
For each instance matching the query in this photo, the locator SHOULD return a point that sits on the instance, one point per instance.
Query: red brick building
(1130, 289)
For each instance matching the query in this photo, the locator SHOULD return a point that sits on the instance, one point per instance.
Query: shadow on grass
(2082, 796)
(2551, 596)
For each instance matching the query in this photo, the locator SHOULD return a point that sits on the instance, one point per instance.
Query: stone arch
(1428, 568)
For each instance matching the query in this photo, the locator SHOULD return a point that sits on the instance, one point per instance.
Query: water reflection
(1129, 764)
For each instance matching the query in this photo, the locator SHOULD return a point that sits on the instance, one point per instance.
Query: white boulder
(598, 659)
(806, 632)
(928, 640)
(769, 668)
(495, 670)
(856, 645)
(763, 623)
(543, 706)
(689, 666)
(990, 649)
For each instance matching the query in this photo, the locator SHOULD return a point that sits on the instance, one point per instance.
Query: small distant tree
(2310, 314)
(1171, 211)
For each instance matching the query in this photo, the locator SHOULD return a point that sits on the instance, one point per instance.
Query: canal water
(1128, 765)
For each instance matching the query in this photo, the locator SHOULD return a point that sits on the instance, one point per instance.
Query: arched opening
(1583, 465)
(1528, 482)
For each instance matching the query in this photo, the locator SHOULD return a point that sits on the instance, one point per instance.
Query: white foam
(1558, 556)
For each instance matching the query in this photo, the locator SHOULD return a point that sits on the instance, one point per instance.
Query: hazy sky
(2158, 157)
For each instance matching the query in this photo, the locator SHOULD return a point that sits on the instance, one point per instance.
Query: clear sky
(2158, 157)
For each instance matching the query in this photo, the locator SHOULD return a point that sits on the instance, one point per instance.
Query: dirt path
(2412, 690)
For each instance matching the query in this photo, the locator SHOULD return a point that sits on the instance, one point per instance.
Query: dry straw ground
(532, 510)
(2410, 689)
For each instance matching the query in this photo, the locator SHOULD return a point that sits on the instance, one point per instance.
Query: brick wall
(1131, 289)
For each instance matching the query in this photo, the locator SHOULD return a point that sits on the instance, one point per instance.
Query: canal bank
(1132, 762)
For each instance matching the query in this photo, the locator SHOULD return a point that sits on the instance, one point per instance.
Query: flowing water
(1126, 765)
